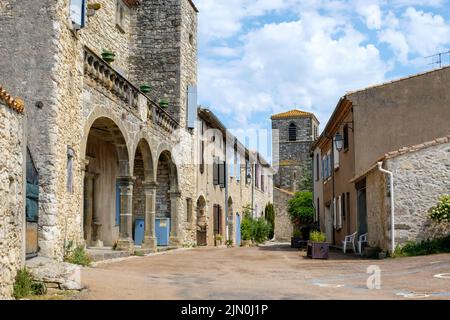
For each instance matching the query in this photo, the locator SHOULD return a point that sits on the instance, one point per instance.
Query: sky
(261, 57)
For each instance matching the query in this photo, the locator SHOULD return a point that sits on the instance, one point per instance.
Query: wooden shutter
(215, 172)
(192, 107)
(222, 168)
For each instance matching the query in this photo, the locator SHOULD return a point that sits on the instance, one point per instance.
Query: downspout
(391, 186)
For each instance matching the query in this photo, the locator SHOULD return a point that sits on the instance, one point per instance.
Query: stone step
(100, 254)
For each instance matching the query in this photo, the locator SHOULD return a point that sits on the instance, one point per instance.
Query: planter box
(318, 250)
(297, 242)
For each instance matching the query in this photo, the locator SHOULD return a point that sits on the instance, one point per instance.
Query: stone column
(125, 241)
(150, 214)
(88, 205)
(174, 217)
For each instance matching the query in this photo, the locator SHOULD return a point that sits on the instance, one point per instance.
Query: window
(336, 156)
(120, 15)
(346, 137)
(343, 204)
(317, 167)
(70, 155)
(215, 171)
(238, 167)
(292, 132)
(78, 13)
(202, 148)
(222, 168)
(247, 171)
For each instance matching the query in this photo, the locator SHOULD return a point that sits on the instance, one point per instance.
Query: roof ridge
(416, 147)
(291, 114)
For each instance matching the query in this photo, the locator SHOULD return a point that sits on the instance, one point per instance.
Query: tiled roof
(14, 103)
(295, 113)
(416, 147)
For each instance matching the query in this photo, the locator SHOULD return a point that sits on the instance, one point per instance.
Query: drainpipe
(391, 183)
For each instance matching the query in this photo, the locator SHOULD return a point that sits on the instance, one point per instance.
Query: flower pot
(164, 104)
(108, 56)
(296, 242)
(246, 243)
(318, 250)
(145, 88)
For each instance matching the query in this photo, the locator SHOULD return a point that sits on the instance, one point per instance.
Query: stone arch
(118, 133)
(202, 221)
(143, 178)
(168, 196)
(106, 160)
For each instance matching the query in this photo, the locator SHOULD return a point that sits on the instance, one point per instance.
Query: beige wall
(399, 114)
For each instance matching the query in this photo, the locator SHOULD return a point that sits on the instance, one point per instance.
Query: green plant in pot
(108, 55)
(318, 248)
(301, 213)
(219, 239)
(163, 103)
(145, 88)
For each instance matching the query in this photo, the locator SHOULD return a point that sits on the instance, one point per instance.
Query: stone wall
(293, 158)
(421, 176)
(283, 225)
(12, 195)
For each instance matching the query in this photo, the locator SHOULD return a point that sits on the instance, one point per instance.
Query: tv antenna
(437, 59)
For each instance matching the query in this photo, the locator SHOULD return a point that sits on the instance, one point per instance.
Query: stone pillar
(150, 214)
(174, 218)
(125, 241)
(88, 205)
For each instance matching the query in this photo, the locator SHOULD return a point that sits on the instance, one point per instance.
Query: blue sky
(260, 57)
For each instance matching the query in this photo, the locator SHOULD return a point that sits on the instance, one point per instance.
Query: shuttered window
(216, 171)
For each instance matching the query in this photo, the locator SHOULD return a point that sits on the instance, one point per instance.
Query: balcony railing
(102, 73)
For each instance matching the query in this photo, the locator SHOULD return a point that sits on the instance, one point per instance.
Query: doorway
(362, 207)
(32, 207)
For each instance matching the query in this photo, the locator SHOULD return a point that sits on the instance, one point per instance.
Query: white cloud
(371, 13)
(292, 64)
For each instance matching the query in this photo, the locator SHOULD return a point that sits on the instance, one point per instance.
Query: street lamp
(339, 141)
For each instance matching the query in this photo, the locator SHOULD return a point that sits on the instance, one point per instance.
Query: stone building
(365, 126)
(421, 175)
(231, 180)
(293, 133)
(106, 158)
(12, 190)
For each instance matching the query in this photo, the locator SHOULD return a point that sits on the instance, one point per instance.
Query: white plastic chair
(362, 239)
(349, 240)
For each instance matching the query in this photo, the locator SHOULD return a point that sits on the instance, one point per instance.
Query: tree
(269, 215)
(301, 208)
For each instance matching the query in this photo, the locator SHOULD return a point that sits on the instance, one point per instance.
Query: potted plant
(229, 243)
(145, 88)
(219, 240)
(247, 226)
(163, 103)
(296, 240)
(108, 55)
(318, 248)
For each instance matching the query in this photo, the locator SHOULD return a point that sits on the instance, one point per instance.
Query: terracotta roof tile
(14, 103)
(295, 113)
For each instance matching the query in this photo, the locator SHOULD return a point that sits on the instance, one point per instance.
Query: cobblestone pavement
(269, 272)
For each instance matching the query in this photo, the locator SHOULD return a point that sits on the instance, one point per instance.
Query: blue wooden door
(138, 231)
(162, 227)
(238, 229)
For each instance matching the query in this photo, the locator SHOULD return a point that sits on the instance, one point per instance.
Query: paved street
(272, 272)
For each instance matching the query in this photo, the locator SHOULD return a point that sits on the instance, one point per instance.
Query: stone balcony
(137, 102)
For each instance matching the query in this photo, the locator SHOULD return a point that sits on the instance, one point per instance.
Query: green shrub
(425, 247)
(317, 236)
(25, 286)
(78, 256)
(229, 243)
(296, 233)
(300, 208)
(246, 227)
(261, 230)
(269, 214)
(441, 212)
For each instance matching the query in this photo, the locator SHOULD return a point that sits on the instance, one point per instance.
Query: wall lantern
(339, 141)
